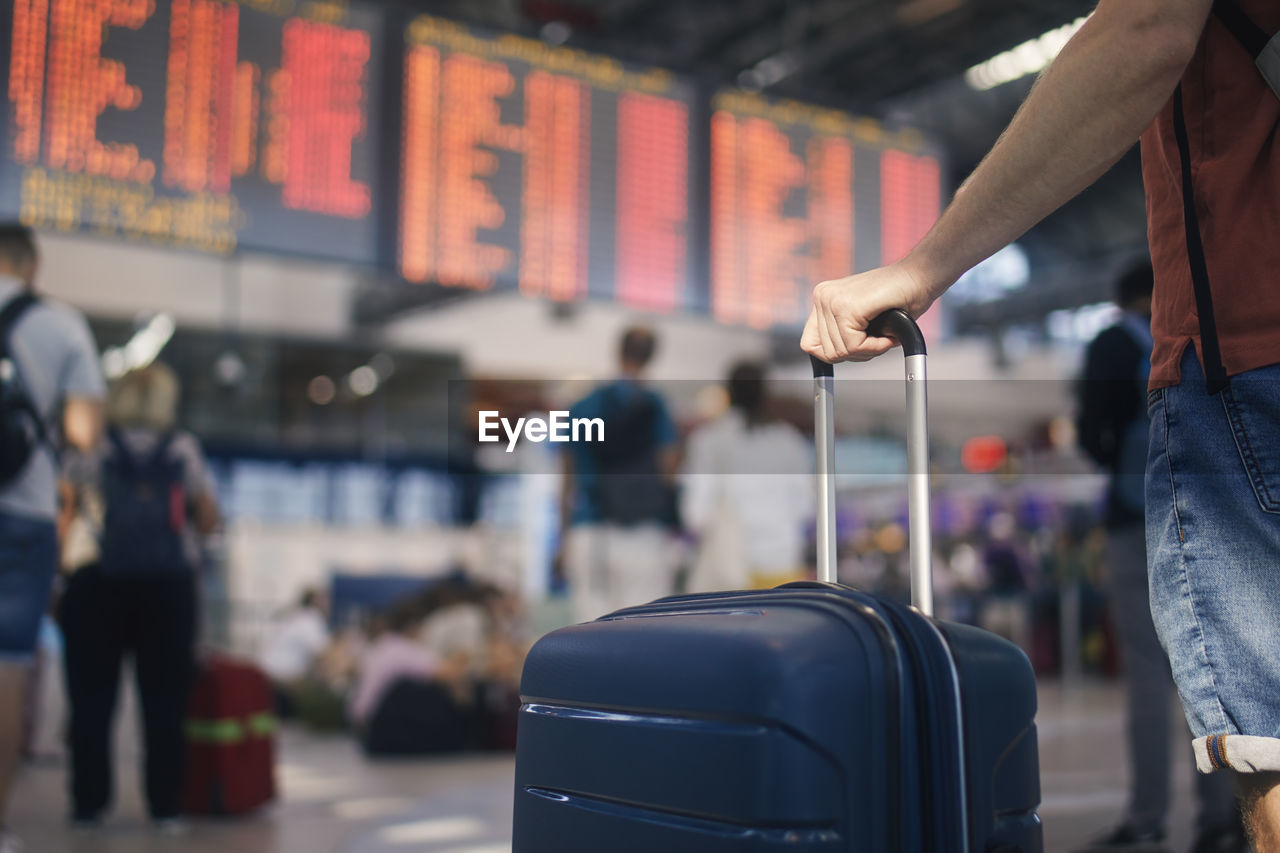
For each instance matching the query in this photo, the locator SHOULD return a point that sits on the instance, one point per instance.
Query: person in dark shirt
(1113, 429)
(617, 501)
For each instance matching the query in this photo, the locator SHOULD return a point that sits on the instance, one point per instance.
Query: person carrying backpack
(149, 493)
(618, 503)
(51, 389)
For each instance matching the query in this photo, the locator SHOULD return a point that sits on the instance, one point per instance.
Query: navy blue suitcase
(811, 717)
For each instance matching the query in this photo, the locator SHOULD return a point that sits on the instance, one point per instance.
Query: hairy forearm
(1085, 112)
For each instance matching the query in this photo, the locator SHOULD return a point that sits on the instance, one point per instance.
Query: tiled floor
(335, 802)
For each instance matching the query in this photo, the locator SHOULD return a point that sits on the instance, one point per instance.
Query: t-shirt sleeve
(81, 371)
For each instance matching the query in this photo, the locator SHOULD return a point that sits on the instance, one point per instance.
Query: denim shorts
(28, 562)
(1213, 546)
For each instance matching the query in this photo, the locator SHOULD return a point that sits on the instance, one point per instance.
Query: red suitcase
(230, 740)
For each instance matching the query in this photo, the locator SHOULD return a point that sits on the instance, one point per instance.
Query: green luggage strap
(232, 730)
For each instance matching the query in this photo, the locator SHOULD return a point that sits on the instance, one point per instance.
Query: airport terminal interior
(355, 242)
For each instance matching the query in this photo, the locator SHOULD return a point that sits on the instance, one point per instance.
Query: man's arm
(206, 513)
(83, 387)
(1105, 88)
(82, 422)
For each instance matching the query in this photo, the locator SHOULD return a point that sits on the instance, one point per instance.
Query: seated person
(416, 695)
(398, 654)
(295, 640)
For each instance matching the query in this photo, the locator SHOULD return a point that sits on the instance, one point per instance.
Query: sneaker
(169, 827)
(1127, 838)
(10, 842)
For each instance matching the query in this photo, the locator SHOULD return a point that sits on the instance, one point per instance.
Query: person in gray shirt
(55, 361)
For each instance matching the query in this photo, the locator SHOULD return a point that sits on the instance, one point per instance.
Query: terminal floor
(335, 802)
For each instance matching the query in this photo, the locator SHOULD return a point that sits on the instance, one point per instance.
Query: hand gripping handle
(899, 325)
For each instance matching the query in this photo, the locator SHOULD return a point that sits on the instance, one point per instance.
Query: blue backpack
(146, 511)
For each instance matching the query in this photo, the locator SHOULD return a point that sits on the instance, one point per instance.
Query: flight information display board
(559, 172)
(801, 194)
(196, 123)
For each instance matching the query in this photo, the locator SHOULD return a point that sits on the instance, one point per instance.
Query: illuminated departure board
(207, 124)
(557, 172)
(801, 194)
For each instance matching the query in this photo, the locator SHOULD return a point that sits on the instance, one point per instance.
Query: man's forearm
(1086, 111)
(82, 422)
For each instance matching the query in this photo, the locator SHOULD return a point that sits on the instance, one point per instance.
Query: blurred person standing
(618, 502)
(746, 492)
(1114, 430)
(1181, 75)
(48, 368)
(139, 599)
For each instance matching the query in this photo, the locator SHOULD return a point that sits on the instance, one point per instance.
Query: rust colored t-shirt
(1232, 120)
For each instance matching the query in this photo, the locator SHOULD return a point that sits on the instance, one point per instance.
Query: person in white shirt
(747, 492)
(296, 640)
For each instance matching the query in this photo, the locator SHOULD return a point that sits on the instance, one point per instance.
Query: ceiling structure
(900, 61)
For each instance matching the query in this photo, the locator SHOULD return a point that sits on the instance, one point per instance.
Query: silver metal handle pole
(824, 428)
(919, 535)
(900, 325)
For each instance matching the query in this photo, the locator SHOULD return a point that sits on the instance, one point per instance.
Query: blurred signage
(526, 165)
(801, 194)
(195, 123)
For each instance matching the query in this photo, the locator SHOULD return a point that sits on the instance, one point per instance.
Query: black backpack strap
(162, 447)
(1214, 372)
(12, 312)
(9, 317)
(1250, 35)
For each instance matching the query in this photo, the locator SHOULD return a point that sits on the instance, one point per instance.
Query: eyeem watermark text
(558, 427)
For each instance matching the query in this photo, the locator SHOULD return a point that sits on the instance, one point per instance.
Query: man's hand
(844, 307)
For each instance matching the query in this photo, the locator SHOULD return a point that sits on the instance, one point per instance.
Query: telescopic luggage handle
(896, 324)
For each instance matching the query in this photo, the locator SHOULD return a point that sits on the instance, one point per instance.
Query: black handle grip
(821, 368)
(898, 324)
(895, 323)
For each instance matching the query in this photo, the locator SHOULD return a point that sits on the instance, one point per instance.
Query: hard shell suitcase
(230, 740)
(807, 718)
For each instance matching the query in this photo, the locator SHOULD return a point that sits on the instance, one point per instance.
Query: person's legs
(1219, 811)
(641, 565)
(1213, 533)
(13, 685)
(165, 659)
(28, 561)
(586, 558)
(92, 655)
(1148, 683)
